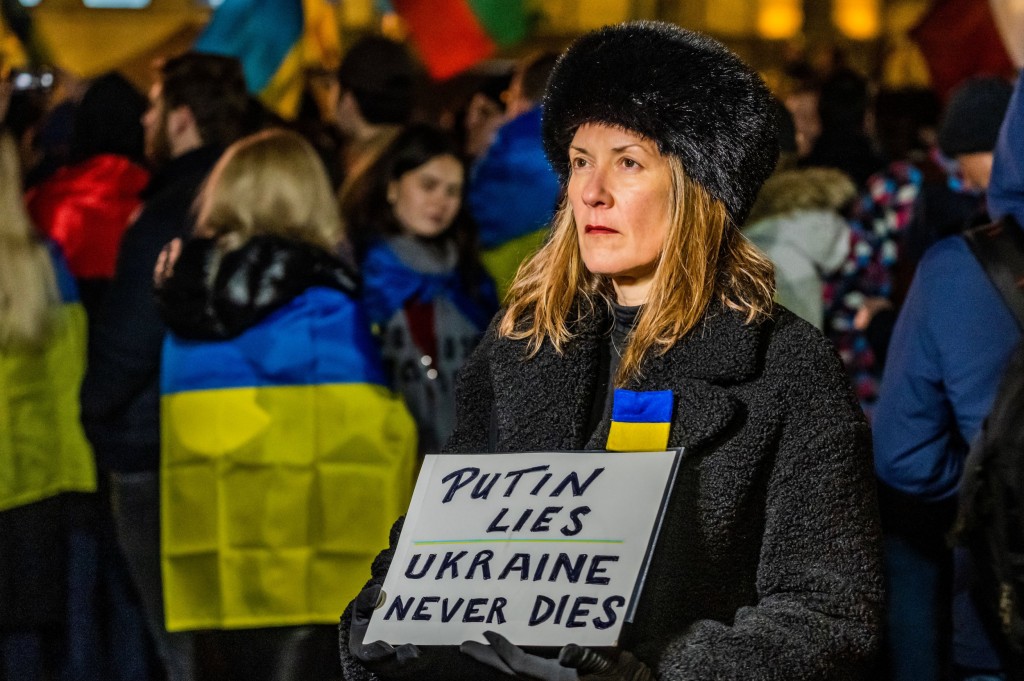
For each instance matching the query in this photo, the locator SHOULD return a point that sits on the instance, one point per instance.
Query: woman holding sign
(646, 321)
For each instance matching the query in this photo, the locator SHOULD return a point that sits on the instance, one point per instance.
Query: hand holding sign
(515, 662)
(379, 657)
(574, 663)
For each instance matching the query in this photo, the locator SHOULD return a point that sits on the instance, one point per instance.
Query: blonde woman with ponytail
(43, 451)
(646, 322)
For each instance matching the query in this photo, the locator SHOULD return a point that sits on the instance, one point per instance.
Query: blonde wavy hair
(704, 258)
(270, 183)
(28, 284)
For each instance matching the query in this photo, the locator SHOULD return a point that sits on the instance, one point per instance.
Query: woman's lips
(598, 229)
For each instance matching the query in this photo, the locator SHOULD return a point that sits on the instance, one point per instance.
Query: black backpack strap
(999, 247)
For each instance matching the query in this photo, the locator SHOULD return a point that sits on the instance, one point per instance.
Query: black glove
(379, 657)
(574, 663)
(593, 666)
(514, 661)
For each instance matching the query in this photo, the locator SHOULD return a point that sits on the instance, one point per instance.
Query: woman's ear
(392, 192)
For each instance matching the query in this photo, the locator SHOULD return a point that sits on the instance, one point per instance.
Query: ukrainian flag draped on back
(43, 450)
(275, 40)
(284, 461)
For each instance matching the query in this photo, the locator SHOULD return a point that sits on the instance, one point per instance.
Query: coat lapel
(549, 397)
(721, 350)
(700, 412)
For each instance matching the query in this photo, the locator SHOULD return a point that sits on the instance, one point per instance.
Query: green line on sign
(519, 541)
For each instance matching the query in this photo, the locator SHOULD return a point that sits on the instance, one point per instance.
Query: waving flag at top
(275, 40)
(453, 35)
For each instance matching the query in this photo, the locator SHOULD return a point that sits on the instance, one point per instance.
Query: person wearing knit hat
(970, 127)
(646, 293)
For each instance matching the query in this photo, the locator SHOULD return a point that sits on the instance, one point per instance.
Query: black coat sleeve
(819, 576)
(124, 352)
(350, 666)
(443, 663)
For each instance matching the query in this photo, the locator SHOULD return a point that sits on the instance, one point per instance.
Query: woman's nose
(595, 189)
(442, 198)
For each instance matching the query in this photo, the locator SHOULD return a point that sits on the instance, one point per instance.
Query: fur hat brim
(685, 91)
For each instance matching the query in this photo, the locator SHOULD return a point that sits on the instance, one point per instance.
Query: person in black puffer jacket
(277, 425)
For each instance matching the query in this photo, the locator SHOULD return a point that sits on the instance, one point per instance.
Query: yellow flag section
(284, 463)
(318, 48)
(43, 450)
(503, 261)
(88, 42)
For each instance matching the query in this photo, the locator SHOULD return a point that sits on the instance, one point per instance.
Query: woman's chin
(607, 267)
(427, 233)
(617, 270)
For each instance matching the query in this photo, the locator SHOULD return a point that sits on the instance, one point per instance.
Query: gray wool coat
(768, 562)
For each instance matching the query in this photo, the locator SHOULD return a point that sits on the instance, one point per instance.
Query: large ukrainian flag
(43, 450)
(275, 40)
(284, 462)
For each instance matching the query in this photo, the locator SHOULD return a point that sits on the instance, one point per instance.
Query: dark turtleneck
(623, 320)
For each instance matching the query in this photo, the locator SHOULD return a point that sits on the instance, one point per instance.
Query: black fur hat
(685, 91)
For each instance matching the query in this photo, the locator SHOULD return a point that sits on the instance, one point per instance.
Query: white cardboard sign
(544, 548)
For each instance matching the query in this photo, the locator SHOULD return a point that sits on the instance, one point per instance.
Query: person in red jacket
(85, 207)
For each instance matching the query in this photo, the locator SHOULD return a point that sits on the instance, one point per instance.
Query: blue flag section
(642, 407)
(260, 33)
(300, 344)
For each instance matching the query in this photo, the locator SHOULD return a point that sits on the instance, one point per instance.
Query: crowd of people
(227, 340)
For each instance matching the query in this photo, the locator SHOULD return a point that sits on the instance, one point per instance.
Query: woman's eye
(577, 162)
(630, 163)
